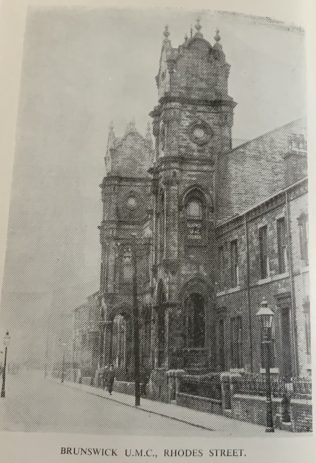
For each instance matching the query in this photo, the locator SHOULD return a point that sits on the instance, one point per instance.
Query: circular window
(131, 202)
(200, 132)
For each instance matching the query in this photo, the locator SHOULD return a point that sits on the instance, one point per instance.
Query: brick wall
(301, 413)
(276, 288)
(254, 171)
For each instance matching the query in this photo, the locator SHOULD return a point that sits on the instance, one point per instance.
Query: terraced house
(212, 230)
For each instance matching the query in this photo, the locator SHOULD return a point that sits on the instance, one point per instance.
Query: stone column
(172, 219)
(176, 336)
(167, 343)
(154, 337)
(108, 334)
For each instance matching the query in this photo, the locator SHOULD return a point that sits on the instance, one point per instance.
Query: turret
(109, 148)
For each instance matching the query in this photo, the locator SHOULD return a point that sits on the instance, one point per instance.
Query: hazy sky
(82, 69)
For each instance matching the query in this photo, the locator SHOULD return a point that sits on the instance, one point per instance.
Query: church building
(210, 230)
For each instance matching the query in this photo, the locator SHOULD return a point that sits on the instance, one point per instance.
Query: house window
(221, 345)
(282, 248)
(236, 342)
(297, 143)
(221, 265)
(194, 214)
(307, 315)
(233, 264)
(127, 265)
(303, 231)
(263, 249)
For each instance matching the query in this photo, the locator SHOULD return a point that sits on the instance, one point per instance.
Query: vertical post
(249, 295)
(63, 366)
(136, 327)
(4, 372)
(46, 354)
(293, 319)
(269, 427)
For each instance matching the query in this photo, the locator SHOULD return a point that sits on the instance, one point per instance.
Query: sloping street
(35, 404)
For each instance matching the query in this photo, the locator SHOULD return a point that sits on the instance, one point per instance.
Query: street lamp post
(63, 363)
(6, 342)
(136, 326)
(265, 315)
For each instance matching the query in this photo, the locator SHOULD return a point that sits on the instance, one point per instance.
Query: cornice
(116, 179)
(185, 100)
(292, 192)
(182, 159)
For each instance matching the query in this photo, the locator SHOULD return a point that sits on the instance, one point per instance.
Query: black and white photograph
(156, 272)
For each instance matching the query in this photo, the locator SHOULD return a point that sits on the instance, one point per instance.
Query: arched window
(194, 210)
(195, 215)
(119, 341)
(195, 320)
(127, 265)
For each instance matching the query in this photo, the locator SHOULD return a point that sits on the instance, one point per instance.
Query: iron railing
(255, 384)
(201, 385)
(301, 388)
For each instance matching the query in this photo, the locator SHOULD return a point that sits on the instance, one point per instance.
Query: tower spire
(148, 131)
(131, 126)
(110, 145)
(148, 138)
(166, 34)
(198, 28)
(111, 136)
(217, 36)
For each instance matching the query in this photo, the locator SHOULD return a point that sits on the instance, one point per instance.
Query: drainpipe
(249, 295)
(291, 273)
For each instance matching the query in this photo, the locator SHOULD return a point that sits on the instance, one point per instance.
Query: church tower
(192, 128)
(125, 191)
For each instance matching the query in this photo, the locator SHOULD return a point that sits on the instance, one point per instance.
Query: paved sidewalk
(219, 425)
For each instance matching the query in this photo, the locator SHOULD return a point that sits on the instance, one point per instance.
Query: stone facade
(210, 231)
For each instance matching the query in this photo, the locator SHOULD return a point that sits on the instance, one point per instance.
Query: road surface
(33, 403)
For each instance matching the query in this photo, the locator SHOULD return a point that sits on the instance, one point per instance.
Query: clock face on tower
(200, 132)
(131, 202)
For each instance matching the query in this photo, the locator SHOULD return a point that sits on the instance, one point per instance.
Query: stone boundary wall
(202, 404)
(302, 417)
(125, 387)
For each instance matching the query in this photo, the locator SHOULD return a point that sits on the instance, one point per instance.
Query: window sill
(228, 291)
(304, 268)
(274, 370)
(236, 370)
(196, 243)
(269, 279)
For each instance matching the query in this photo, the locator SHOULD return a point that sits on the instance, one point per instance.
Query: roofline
(246, 211)
(266, 133)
